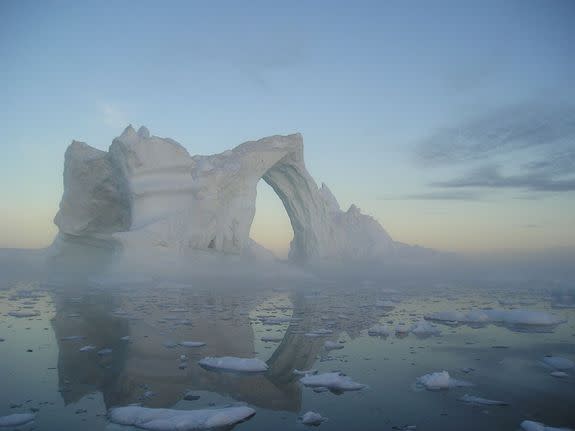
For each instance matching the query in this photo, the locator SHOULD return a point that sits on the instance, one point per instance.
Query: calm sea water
(140, 325)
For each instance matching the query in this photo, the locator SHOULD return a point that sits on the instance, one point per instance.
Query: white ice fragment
(512, 317)
(423, 329)
(559, 374)
(303, 372)
(179, 420)
(470, 399)
(105, 352)
(378, 331)
(332, 345)
(312, 418)
(230, 363)
(23, 313)
(192, 343)
(558, 362)
(87, 348)
(538, 426)
(332, 381)
(16, 419)
(440, 380)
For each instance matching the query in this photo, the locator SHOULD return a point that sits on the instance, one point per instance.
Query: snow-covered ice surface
(179, 420)
(155, 368)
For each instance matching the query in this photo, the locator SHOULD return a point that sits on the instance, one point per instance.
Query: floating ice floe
(440, 380)
(16, 419)
(73, 338)
(332, 345)
(512, 317)
(104, 352)
(179, 420)
(192, 343)
(337, 382)
(558, 363)
(230, 363)
(538, 426)
(303, 372)
(23, 313)
(88, 348)
(385, 304)
(470, 399)
(559, 374)
(424, 329)
(312, 418)
(379, 331)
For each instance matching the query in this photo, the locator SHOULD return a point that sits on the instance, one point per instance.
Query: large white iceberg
(179, 420)
(148, 194)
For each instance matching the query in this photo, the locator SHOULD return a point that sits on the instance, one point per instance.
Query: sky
(452, 123)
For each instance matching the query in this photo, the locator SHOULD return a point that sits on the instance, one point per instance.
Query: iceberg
(192, 343)
(230, 363)
(379, 331)
(179, 420)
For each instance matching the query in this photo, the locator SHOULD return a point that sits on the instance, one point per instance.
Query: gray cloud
(500, 131)
(443, 195)
(537, 138)
(490, 176)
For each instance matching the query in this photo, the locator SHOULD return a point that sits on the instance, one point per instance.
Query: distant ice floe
(440, 380)
(510, 317)
(303, 372)
(312, 418)
(470, 399)
(379, 331)
(230, 363)
(179, 420)
(424, 329)
(272, 338)
(332, 345)
(336, 382)
(23, 313)
(192, 343)
(88, 348)
(16, 419)
(558, 363)
(538, 426)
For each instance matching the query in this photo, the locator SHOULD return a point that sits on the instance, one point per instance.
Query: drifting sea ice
(513, 317)
(179, 420)
(440, 380)
(312, 418)
(538, 426)
(424, 329)
(192, 343)
(16, 419)
(23, 313)
(470, 399)
(230, 363)
(378, 331)
(332, 381)
(88, 348)
(558, 362)
(332, 345)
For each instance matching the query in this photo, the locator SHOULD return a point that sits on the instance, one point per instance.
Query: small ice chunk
(230, 363)
(23, 313)
(332, 345)
(88, 348)
(332, 381)
(105, 352)
(16, 419)
(424, 329)
(558, 362)
(312, 418)
(125, 338)
(179, 420)
(440, 380)
(303, 372)
(538, 426)
(470, 399)
(192, 343)
(559, 374)
(378, 331)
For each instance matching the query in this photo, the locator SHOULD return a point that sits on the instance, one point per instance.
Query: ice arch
(150, 195)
